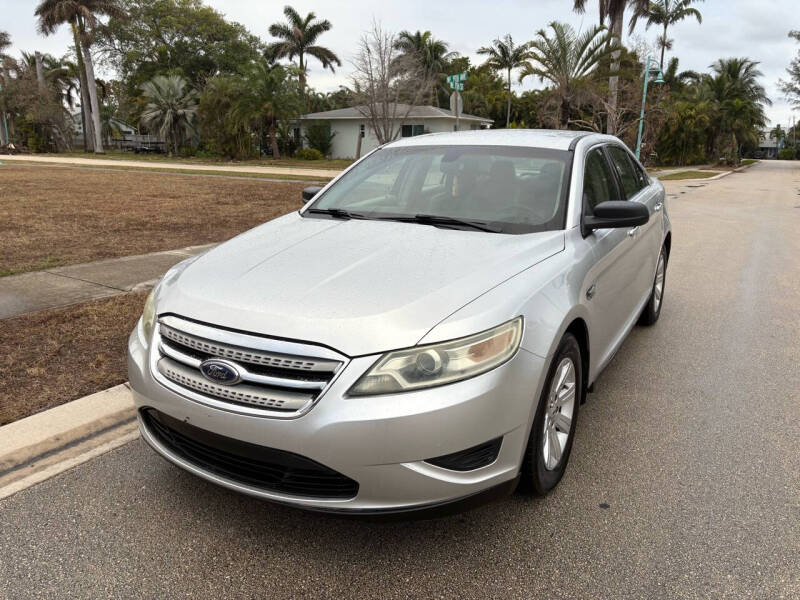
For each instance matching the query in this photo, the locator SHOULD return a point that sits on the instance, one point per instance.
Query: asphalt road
(684, 480)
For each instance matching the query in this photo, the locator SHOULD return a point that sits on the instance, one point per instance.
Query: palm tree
(613, 11)
(5, 42)
(171, 109)
(676, 80)
(82, 16)
(667, 13)
(504, 55)
(298, 38)
(567, 60)
(270, 95)
(429, 53)
(778, 134)
(738, 99)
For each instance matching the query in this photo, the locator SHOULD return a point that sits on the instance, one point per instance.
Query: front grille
(276, 382)
(249, 464)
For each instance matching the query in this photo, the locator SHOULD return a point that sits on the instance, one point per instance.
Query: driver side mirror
(310, 191)
(614, 214)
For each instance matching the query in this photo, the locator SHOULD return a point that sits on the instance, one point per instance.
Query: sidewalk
(64, 286)
(161, 166)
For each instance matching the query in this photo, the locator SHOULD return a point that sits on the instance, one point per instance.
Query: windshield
(513, 189)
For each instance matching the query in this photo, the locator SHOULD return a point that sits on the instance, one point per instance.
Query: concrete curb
(50, 442)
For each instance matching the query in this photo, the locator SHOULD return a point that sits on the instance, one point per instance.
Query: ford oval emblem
(219, 371)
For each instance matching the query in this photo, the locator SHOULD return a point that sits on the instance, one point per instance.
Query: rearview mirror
(616, 213)
(310, 192)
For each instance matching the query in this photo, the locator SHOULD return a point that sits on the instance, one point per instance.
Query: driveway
(684, 480)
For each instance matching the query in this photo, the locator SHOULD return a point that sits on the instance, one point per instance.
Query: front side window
(598, 181)
(631, 182)
(516, 189)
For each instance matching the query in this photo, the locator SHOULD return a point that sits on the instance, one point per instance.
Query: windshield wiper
(442, 220)
(336, 213)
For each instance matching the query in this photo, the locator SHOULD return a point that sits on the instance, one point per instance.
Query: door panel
(612, 283)
(647, 237)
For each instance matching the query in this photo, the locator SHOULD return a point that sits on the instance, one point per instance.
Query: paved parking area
(684, 480)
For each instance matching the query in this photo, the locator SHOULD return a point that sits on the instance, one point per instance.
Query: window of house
(412, 130)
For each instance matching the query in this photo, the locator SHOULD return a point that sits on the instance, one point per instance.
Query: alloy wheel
(558, 414)
(658, 289)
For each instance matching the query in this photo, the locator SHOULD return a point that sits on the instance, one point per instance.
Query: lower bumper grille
(250, 464)
(471, 458)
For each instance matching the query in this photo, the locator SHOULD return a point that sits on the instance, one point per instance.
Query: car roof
(552, 139)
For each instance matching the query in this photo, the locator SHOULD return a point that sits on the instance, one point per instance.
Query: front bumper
(380, 442)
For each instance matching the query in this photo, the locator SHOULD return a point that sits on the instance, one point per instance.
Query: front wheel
(550, 441)
(652, 309)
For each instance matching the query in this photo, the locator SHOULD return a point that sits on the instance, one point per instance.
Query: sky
(730, 28)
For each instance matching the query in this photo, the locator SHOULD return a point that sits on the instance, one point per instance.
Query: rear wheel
(550, 441)
(652, 309)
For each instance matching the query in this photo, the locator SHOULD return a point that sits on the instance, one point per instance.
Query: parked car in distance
(419, 336)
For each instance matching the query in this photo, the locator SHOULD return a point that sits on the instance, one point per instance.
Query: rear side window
(598, 181)
(630, 178)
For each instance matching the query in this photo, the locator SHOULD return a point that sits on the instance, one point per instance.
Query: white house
(349, 123)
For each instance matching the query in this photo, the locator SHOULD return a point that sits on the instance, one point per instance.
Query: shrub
(787, 153)
(309, 154)
(319, 137)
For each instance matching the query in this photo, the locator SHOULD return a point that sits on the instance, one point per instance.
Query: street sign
(457, 81)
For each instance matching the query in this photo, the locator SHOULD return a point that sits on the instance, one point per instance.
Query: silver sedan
(419, 336)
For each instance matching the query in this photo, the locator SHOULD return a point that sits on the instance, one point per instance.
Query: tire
(542, 468)
(652, 310)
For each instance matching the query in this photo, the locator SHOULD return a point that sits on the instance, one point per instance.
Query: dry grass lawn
(54, 356)
(58, 216)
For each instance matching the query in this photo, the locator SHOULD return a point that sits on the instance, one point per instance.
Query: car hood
(357, 286)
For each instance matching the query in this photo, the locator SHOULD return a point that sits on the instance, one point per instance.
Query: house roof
(414, 112)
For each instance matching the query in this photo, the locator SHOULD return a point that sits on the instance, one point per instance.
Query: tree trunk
(3, 123)
(92, 85)
(508, 109)
(86, 113)
(613, 81)
(40, 72)
(273, 140)
(564, 114)
(358, 143)
(663, 47)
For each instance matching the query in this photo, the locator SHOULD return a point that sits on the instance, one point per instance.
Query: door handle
(658, 206)
(632, 232)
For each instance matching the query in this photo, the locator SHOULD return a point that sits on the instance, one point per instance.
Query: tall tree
(505, 56)
(269, 95)
(613, 11)
(176, 37)
(83, 16)
(667, 13)
(738, 99)
(171, 109)
(431, 54)
(791, 86)
(298, 38)
(567, 60)
(5, 42)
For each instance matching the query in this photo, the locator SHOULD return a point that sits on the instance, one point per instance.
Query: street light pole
(660, 79)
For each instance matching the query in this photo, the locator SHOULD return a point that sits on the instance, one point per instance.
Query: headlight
(149, 316)
(437, 364)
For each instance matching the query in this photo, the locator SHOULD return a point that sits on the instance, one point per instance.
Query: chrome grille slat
(246, 394)
(246, 355)
(300, 384)
(276, 378)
